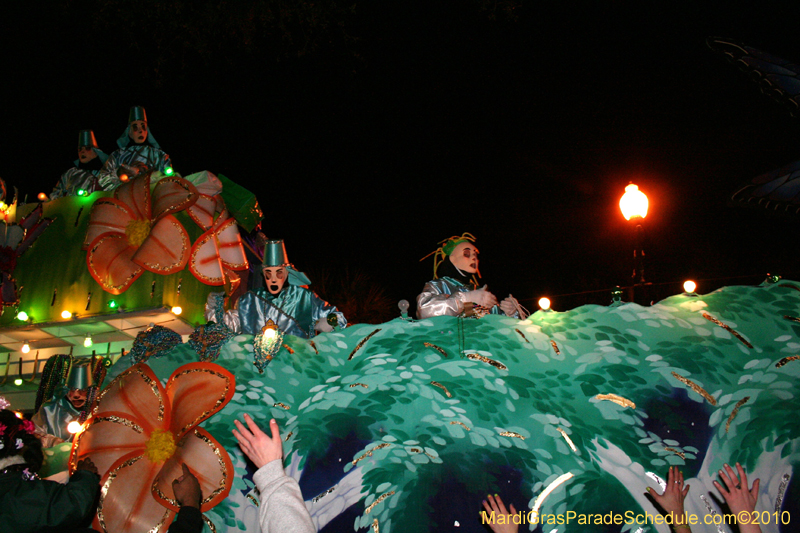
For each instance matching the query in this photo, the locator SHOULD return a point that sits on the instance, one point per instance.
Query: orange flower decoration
(131, 232)
(139, 435)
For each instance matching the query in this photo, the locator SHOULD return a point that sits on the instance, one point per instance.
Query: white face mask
(86, 154)
(138, 131)
(275, 277)
(465, 257)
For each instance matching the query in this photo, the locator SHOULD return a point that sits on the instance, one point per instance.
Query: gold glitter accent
(288, 348)
(555, 347)
(361, 343)
(314, 346)
(379, 500)
(437, 348)
(253, 499)
(462, 424)
(728, 328)
(735, 412)
(511, 434)
(224, 474)
(288, 436)
(220, 401)
(522, 335)
(695, 387)
(359, 385)
(537, 504)
(210, 524)
(484, 359)
(281, 405)
(104, 492)
(369, 452)
(795, 287)
(117, 420)
(375, 527)
(446, 392)
(792, 318)
(154, 387)
(318, 497)
(786, 360)
(416, 450)
(566, 438)
(676, 452)
(619, 400)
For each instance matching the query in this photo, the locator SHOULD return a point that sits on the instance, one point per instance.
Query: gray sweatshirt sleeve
(282, 509)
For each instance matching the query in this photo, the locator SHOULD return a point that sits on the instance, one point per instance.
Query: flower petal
(126, 501)
(202, 212)
(204, 260)
(196, 391)
(166, 249)
(11, 235)
(106, 439)
(138, 396)
(108, 216)
(136, 195)
(207, 460)
(110, 263)
(229, 243)
(171, 195)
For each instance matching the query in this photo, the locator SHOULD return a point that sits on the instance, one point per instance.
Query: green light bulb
(112, 304)
(82, 192)
(168, 171)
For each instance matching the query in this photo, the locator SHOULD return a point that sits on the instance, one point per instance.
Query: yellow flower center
(137, 231)
(160, 446)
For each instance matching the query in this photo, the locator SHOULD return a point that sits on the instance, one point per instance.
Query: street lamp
(633, 205)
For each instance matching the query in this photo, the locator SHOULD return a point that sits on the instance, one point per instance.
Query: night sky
(370, 134)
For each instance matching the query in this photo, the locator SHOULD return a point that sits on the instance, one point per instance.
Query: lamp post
(633, 205)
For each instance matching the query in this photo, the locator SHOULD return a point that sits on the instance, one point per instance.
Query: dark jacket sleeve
(188, 520)
(50, 505)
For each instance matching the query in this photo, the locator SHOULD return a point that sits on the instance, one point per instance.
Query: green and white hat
(275, 256)
(86, 138)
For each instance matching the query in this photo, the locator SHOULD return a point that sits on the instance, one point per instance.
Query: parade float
(401, 426)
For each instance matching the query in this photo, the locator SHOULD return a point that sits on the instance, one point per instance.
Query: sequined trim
(318, 497)
(566, 438)
(446, 392)
(361, 343)
(563, 478)
(107, 485)
(288, 348)
(118, 420)
(254, 500)
(795, 287)
(379, 500)
(437, 348)
(210, 524)
(676, 452)
(352, 385)
(710, 510)
(459, 423)
(511, 434)
(781, 491)
(786, 360)
(695, 387)
(314, 346)
(792, 318)
(735, 412)
(220, 401)
(375, 527)
(522, 335)
(154, 387)
(369, 452)
(728, 328)
(619, 400)
(223, 472)
(488, 361)
(281, 405)
(288, 436)
(555, 347)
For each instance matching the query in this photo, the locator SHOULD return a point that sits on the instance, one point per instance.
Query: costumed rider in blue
(454, 290)
(70, 400)
(286, 301)
(138, 153)
(81, 179)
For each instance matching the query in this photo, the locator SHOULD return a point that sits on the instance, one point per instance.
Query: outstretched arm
(672, 499)
(739, 498)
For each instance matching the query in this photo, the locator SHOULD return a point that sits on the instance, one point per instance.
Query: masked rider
(82, 176)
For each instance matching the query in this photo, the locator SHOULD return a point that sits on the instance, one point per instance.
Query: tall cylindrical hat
(80, 375)
(274, 254)
(137, 113)
(86, 138)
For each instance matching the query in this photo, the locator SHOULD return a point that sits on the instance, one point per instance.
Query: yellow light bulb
(633, 203)
(26, 347)
(74, 427)
(544, 303)
(66, 314)
(177, 310)
(689, 286)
